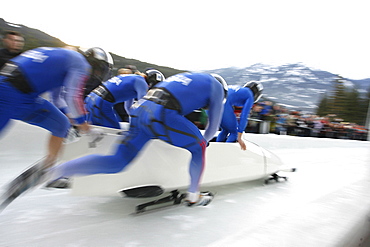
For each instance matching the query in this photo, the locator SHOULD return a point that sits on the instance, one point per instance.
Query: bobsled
(167, 166)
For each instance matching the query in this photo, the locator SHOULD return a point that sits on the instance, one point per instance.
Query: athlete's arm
(215, 110)
(74, 96)
(245, 111)
(74, 84)
(127, 105)
(244, 118)
(57, 97)
(141, 88)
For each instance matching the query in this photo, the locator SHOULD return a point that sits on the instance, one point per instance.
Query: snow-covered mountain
(295, 86)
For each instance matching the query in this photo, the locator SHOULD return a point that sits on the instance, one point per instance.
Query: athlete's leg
(228, 125)
(233, 136)
(55, 145)
(4, 120)
(197, 165)
(5, 115)
(191, 139)
(125, 152)
(9, 98)
(109, 116)
(44, 114)
(175, 129)
(101, 112)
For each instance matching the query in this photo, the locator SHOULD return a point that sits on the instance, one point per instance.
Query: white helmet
(256, 88)
(101, 62)
(223, 83)
(153, 76)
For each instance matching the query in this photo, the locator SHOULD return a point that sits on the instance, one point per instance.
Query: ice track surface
(325, 203)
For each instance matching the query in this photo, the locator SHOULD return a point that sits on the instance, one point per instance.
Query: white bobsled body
(159, 163)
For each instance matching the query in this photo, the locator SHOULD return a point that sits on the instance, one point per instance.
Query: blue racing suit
(61, 71)
(241, 97)
(161, 115)
(122, 88)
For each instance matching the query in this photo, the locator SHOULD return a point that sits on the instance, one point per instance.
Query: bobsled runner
(161, 166)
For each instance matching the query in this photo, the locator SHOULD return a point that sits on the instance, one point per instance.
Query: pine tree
(352, 107)
(345, 104)
(366, 109)
(338, 98)
(324, 106)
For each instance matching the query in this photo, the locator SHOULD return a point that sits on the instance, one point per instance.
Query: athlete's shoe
(61, 183)
(73, 135)
(27, 180)
(199, 199)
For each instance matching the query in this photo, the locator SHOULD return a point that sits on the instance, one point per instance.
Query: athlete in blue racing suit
(34, 72)
(231, 129)
(122, 88)
(160, 114)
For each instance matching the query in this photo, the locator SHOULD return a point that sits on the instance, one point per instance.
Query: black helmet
(223, 83)
(153, 76)
(101, 62)
(256, 88)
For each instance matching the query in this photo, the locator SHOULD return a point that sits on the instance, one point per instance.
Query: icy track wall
(325, 203)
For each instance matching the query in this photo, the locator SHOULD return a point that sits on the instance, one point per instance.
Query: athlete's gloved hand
(199, 199)
(95, 136)
(73, 135)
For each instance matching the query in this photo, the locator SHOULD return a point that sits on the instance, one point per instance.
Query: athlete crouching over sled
(63, 72)
(122, 88)
(232, 129)
(161, 115)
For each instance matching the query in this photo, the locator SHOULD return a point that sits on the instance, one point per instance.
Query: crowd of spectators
(273, 118)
